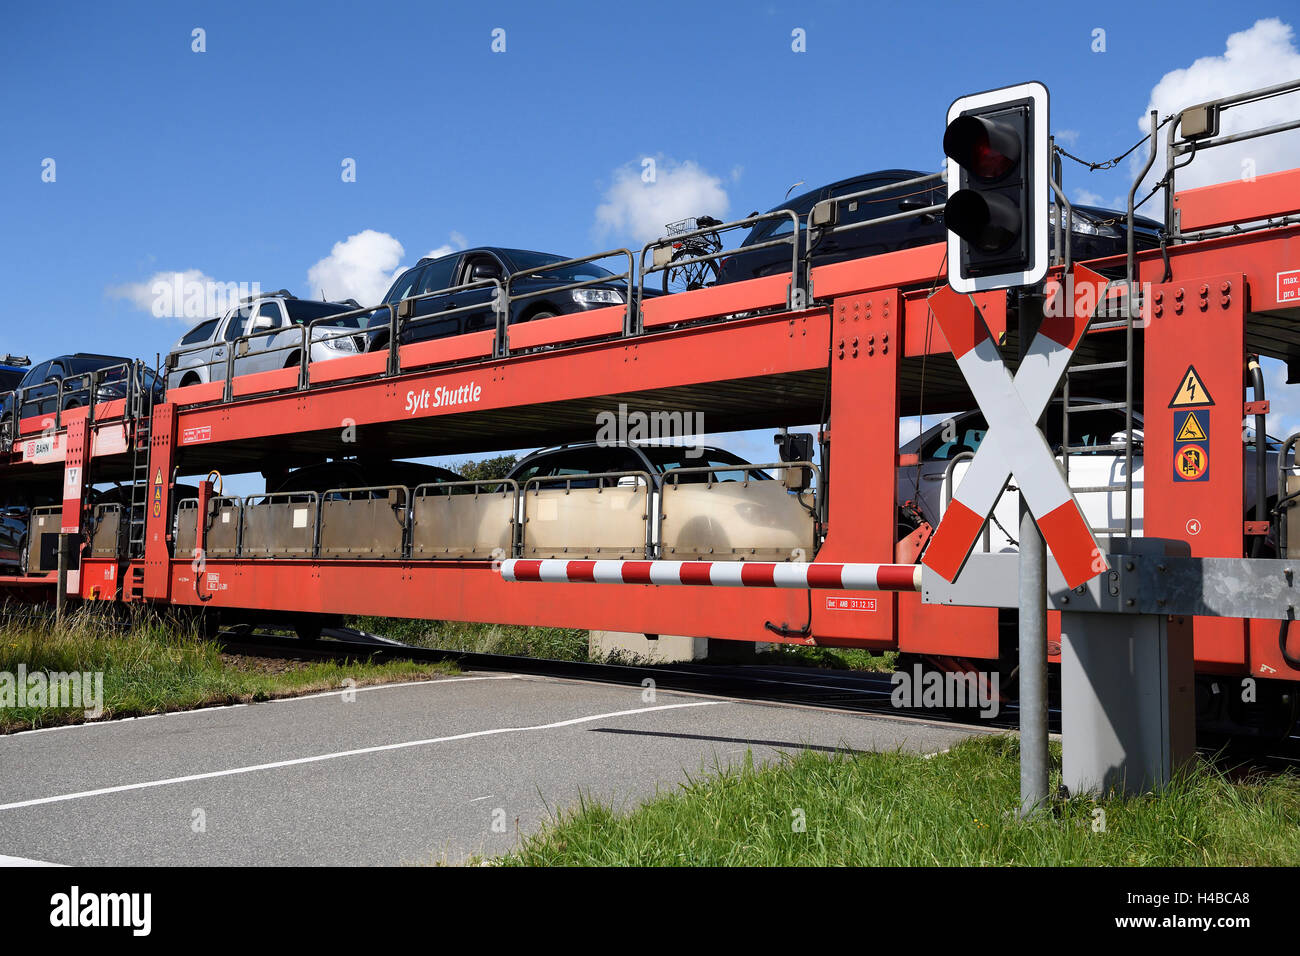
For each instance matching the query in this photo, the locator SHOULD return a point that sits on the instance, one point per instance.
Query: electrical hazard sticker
(1191, 391)
(1188, 427)
(1191, 463)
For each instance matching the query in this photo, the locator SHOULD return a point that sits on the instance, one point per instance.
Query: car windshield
(527, 262)
(301, 312)
(674, 456)
(200, 333)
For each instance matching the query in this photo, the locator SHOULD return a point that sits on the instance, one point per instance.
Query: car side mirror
(912, 202)
(483, 271)
(1118, 438)
(405, 309)
(262, 322)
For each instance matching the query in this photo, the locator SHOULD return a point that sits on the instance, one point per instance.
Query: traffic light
(997, 209)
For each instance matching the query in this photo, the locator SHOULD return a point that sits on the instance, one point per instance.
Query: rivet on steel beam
(1226, 287)
(1205, 290)
(1178, 295)
(1160, 297)
(1225, 301)
(1128, 565)
(1158, 309)
(1129, 603)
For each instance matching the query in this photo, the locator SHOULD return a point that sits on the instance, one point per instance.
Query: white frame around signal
(1038, 251)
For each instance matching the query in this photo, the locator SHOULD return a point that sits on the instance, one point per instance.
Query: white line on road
(121, 721)
(409, 683)
(212, 774)
(23, 861)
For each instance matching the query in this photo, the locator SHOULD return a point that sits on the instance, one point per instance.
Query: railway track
(843, 691)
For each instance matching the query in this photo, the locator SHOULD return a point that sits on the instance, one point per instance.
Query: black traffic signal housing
(997, 208)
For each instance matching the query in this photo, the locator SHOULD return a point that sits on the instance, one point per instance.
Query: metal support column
(1128, 709)
(1033, 622)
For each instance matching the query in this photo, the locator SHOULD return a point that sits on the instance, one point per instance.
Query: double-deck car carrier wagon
(851, 345)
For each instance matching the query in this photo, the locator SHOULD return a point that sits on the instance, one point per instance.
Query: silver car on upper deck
(263, 333)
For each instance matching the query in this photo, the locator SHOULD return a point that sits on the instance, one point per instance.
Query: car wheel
(293, 361)
(543, 314)
(189, 380)
(22, 558)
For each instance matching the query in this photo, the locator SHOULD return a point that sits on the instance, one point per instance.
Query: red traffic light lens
(989, 222)
(988, 149)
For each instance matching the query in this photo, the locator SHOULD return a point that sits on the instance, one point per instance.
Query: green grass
(152, 664)
(552, 643)
(833, 658)
(896, 809)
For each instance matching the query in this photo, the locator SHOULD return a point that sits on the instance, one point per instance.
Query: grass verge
(551, 643)
(897, 809)
(152, 664)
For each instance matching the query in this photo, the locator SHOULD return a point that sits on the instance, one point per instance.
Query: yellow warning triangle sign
(1191, 391)
(1191, 430)
(158, 480)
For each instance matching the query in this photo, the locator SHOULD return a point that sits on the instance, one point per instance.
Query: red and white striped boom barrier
(720, 574)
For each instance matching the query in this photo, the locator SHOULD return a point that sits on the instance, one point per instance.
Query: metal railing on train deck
(224, 522)
(464, 519)
(704, 517)
(364, 522)
(665, 254)
(281, 524)
(606, 514)
(107, 531)
(627, 277)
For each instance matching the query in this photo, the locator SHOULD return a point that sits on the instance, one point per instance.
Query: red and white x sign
(1013, 443)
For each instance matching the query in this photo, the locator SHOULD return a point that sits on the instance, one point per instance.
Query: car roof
(895, 174)
(504, 252)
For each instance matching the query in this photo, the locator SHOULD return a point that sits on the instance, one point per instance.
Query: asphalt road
(431, 772)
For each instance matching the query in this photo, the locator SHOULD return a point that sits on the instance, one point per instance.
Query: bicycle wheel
(691, 275)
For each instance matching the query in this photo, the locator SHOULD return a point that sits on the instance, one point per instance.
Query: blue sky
(228, 161)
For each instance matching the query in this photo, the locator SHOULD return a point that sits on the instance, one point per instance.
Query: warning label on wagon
(850, 604)
(1288, 286)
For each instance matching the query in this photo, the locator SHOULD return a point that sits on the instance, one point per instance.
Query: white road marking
(23, 861)
(275, 765)
(118, 721)
(409, 683)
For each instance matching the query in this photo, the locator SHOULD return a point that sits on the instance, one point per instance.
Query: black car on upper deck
(1095, 232)
(64, 382)
(536, 276)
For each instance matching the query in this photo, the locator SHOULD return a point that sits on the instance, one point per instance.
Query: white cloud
(642, 199)
(1087, 197)
(1263, 55)
(1067, 137)
(361, 267)
(454, 243)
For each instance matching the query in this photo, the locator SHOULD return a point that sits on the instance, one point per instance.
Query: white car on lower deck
(931, 482)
